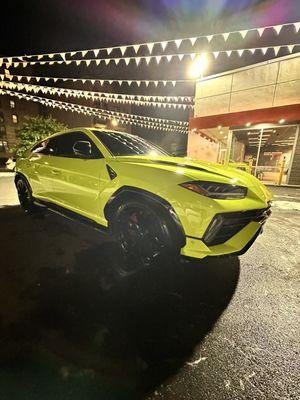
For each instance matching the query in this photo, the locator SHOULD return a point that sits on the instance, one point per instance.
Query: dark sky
(41, 26)
(32, 26)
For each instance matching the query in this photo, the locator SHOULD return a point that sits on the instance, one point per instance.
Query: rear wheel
(25, 195)
(145, 235)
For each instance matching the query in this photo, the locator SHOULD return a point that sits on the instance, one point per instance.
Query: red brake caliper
(134, 218)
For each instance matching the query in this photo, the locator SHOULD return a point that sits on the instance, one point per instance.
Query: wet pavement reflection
(71, 328)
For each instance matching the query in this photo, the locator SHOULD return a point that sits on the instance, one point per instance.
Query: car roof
(103, 130)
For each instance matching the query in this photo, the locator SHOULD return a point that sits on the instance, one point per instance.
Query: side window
(62, 145)
(41, 147)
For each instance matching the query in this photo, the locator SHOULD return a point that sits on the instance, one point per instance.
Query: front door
(76, 179)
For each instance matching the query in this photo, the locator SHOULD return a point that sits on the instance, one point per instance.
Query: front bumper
(228, 233)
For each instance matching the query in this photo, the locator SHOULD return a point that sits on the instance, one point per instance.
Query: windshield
(124, 144)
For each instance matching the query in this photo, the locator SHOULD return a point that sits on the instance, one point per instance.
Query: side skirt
(71, 215)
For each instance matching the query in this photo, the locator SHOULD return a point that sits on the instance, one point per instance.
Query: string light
(100, 81)
(107, 97)
(150, 122)
(157, 58)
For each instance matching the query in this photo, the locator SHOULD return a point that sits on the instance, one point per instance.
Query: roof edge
(271, 61)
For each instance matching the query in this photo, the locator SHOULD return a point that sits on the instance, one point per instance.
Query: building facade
(13, 112)
(251, 114)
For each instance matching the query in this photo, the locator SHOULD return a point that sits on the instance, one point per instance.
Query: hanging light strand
(120, 82)
(138, 100)
(133, 119)
(147, 59)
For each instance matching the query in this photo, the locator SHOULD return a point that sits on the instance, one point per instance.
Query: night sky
(34, 26)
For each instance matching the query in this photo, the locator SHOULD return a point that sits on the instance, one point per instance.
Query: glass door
(267, 150)
(275, 153)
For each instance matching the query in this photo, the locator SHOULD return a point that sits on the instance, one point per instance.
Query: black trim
(226, 225)
(124, 192)
(236, 254)
(73, 216)
(134, 190)
(249, 244)
(111, 172)
(193, 237)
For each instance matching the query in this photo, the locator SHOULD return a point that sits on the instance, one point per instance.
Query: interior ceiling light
(282, 121)
(248, 124)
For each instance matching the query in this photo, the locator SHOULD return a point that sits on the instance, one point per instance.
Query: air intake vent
(112, 174)
(224, 226)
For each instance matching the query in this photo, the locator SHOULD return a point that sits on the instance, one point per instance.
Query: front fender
(129, 192)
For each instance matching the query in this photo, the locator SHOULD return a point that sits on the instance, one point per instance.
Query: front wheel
(144, 233)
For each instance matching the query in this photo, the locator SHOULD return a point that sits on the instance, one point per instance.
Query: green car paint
(85, 186)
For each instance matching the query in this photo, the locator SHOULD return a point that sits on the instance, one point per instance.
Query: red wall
(290, 113)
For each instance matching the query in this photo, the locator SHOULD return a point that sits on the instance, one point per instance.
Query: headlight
(216, 190)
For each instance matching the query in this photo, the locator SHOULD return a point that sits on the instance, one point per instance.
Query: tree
(33, 130)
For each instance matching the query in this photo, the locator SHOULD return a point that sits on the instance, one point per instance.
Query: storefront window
(268, 148)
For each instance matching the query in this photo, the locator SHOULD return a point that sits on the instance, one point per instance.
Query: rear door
(75, 179)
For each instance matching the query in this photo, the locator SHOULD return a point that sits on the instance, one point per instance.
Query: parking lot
(212, 329)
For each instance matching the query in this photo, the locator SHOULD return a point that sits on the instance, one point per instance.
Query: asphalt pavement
(216, 329)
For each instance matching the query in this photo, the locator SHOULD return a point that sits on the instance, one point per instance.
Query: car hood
(200, 170)
(186, 166)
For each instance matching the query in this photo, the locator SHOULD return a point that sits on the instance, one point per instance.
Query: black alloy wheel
(144, 235)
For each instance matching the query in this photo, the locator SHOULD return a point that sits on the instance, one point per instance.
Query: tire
(25, 196)
(145, 235)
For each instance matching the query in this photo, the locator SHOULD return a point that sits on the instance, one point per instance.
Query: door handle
(55, 171)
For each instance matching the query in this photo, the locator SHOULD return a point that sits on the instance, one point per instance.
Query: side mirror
(82, 149)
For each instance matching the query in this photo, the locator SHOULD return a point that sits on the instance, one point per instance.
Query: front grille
(224, 226)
